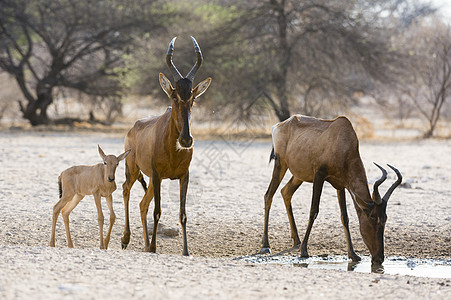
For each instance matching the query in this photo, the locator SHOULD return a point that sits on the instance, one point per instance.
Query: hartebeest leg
(100, 218)
(287, 193)
(182, 216)
(345, 221)
(318, 183)
(131, 174)
(156, 182)
(277, 176)
(109, 202)
(56, 211)
(65, 212)
(142, 181)
(144, 208)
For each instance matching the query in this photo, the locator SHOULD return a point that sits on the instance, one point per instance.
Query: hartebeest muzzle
(186, 141)
(185, 138)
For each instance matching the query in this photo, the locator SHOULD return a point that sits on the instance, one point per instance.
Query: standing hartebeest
(78, 181)
(315, 151)
(162, 147)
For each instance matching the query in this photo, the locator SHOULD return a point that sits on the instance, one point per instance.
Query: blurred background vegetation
(66, 61)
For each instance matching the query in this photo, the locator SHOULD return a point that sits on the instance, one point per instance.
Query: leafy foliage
(309, 56)
(76, 45)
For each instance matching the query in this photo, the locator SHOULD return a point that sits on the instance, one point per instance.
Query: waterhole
(433, 268)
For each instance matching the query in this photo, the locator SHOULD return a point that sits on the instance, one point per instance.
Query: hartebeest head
(373, 219)
(183, 95)
(111, 162)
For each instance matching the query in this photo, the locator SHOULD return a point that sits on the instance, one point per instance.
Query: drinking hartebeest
(162, 147)
(78, 181)
(316, 150)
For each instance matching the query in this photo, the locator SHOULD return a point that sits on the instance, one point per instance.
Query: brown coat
(316, 150)
(162, 148)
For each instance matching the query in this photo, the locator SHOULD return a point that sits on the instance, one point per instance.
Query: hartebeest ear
(123, 155)
(166, 85)
(201, 87)
(102, 154)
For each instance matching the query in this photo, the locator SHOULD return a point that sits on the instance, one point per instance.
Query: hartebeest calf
(316, 150)
(162, 148)
(78, 181)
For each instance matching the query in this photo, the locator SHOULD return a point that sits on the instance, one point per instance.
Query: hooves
(124, 241)
(265, 250)
(304, 252)
(124, 246)
(355, 258)
(106, 243)
(150, 249)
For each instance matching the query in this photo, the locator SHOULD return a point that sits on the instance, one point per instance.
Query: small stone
(170, 232)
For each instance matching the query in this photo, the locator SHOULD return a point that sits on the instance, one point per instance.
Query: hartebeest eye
(104, 163)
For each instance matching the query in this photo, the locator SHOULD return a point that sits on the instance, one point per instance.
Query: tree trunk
(428, 134)
(36, 110)
(284, 112)
(284, 57)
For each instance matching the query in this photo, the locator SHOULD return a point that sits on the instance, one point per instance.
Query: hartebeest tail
(60, 186)
(76, 182)
(162, 147)
(316, 150)
(272, 156)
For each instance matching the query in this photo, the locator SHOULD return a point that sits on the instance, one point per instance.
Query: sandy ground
(225, 220)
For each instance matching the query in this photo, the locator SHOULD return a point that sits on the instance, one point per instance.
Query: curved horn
(174, 71)
(376, 196)
(394, 185)
(196, 67)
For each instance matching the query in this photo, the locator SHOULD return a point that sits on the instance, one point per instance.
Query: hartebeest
(162, 148)
(78, 181)
(316, 150)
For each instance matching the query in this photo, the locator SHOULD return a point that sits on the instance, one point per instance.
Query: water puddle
(433, 268)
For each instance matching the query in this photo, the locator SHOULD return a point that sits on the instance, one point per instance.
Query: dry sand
(225, 220)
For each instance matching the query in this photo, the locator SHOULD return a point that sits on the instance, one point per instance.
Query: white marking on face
(179, 147)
